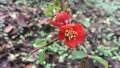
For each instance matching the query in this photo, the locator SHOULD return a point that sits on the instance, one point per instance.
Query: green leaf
(62, 57)
(109, 7)
(52, 8)
(55, 47)
(48, 65)
(57, 2)
(107, 51)
(41, 57)
(39, 43)
(85, 22)
(108, 36)
(100, 60)
(78, 55)
(116, 58)
(49, 10)
(114, 49)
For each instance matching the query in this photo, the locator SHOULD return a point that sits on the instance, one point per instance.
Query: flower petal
(79, 39)
(60, 36)
(61, 33)
(81, 33)
(71, 43)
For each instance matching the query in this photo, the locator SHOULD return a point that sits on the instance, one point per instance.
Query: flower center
(70, 34)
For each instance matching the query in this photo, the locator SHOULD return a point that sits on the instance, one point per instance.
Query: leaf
(78, 55)
(110, 8)
(52, 8)
(116, 58)
(57, 2)
(48, 10)
(85, 22)
(55, 47)
(62, 57)
(107, 51)
(100, 60)
(108, 36)
(39, 43)
(114, 49)
(41, 57)
(48, 65)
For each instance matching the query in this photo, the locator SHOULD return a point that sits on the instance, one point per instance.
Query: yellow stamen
(70, 34)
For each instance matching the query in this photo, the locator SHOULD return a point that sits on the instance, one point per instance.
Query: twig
(44, 46)
(40, 48)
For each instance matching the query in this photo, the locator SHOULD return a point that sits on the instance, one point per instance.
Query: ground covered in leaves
(24, 29)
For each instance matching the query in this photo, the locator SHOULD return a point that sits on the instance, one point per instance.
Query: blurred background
(27, 38)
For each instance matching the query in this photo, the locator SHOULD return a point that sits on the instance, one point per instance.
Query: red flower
(55, 23)
(60, 19)
(72, 34)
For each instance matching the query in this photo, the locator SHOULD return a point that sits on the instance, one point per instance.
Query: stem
(84, 63)
(44, 46)
(40, 48)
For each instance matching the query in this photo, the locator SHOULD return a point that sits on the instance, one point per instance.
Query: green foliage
(109, 7)
(48, 65)
(108, 36)
(62, 57)
(49, 10)
(78, 55)
(114, 20)
(86, 22)
(107, 51)
(41, 57)
(55, 47)
(107, 30)
(100, 60)
(39, 43)
(52, 8)
(57, 2)
(116, 58)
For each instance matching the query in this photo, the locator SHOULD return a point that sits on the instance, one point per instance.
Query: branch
(44, 46)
